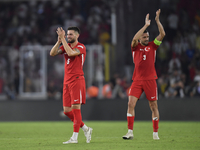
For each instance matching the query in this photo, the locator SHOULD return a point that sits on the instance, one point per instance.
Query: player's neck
(74, 44)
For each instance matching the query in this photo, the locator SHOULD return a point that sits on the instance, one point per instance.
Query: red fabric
(77, 119)
(74, 92)
(74, 64)
(130, 121)
(144, 60)
(155, 125)
(148, 86)
(71, 117)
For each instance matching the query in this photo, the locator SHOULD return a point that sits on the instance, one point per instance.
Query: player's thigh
(150, 89)
(136, 89)
(66, 96)
(78, 92)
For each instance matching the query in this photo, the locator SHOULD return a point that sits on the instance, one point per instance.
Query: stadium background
(31, 80)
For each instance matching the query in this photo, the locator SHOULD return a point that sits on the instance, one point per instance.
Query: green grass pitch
(107, 135)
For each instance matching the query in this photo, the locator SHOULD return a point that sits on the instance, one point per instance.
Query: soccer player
(144, 76)
(74, 92)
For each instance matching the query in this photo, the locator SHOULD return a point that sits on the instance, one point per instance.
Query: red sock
(71, 117)
(77, 119)
(155, 125)
(130, 120)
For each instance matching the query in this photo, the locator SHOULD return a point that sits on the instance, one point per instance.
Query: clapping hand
(60, 32)
(157, 15)
(147, 21)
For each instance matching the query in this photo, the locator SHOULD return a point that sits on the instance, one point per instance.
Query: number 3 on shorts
(144, 57)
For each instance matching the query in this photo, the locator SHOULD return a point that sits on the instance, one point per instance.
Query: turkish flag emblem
(147, 49)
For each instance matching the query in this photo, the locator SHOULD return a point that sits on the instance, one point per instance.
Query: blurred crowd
(178, 59)
(35, 22)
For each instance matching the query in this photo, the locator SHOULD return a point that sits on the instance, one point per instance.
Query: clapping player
(74, 92)
(144, 76)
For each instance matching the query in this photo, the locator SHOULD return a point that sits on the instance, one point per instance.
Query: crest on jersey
(147, 49)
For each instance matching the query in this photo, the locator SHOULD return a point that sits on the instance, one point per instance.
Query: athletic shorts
(74, 93)
(148, 86)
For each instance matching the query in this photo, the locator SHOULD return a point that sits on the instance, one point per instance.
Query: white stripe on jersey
(82, 59)
(80, 97)
(129, 91)
(133, 56)
(80, 46)
(156, 94)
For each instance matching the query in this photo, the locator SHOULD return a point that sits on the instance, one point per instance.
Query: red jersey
(144, 60)
(74, 64)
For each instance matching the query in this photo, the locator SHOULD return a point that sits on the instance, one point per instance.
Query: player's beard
(71, 41)
(145, 43)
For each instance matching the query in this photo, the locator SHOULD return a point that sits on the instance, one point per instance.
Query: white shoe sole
(70, 142)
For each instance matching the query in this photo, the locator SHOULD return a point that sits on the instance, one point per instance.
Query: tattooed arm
(55, 49)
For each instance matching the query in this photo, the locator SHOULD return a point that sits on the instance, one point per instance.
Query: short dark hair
(75, 29)
(145, 31)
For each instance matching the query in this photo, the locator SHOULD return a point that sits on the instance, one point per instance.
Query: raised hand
(60, 32)
(147, 21)
(59, 39)
(157, 15)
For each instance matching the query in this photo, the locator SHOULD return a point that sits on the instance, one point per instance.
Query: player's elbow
(134, 42)
(51, 53)
(73, 53)
(163, 34)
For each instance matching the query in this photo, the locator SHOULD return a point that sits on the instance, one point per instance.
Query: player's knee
(131, 104)
(153, 107)
(66, 109)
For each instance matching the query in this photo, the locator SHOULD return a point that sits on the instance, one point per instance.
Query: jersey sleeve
(81, 48)
(62, 48)
(135, 48)
(155, 46)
